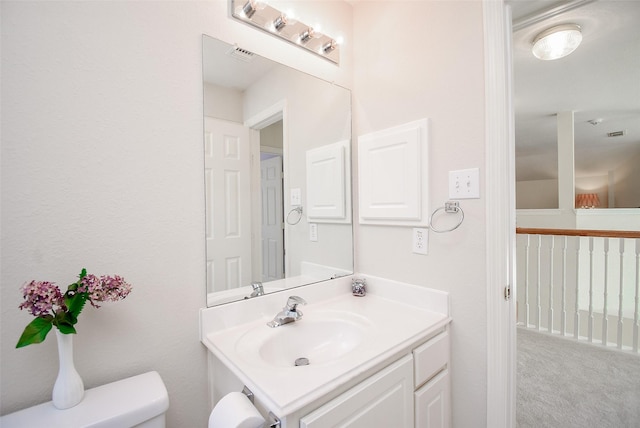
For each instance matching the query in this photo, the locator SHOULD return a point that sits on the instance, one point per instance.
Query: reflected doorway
(272, 208)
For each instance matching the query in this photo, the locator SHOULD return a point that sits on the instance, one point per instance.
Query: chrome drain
(302, 361)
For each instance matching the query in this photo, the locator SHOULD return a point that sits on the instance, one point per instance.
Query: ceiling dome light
(557, 42)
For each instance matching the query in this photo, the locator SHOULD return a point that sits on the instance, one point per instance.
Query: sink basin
(321, 338)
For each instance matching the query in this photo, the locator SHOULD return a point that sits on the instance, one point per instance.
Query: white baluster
(605, 312)
(563, 314)
(636, 325)
(590, 329)
(621, 293)
(576, 315)
(539, 307)
(550, 313)
(526, 280)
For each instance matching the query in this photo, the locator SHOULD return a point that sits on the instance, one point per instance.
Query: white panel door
(272, 227)
(228, 209)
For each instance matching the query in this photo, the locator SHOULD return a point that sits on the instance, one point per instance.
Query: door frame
(500, 216)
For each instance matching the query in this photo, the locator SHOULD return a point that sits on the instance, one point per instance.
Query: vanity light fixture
(307, 35)
(330, 46)
(557, 42)
(249, 8)
(280, 22)
(273, 21)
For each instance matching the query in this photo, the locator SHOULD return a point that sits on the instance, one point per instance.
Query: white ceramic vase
(68, 389)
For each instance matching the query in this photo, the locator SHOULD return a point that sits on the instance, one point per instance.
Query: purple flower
(41, 297)
(104, 289)
(51, 308)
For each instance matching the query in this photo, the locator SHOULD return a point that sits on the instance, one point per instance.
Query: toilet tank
(138, 401)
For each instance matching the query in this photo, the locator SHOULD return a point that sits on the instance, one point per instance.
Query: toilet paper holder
(273, 421)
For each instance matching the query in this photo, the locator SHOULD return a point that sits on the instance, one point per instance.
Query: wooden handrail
(579, 232)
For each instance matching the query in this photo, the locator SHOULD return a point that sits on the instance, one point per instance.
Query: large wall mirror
(278, 180)
(599, 83)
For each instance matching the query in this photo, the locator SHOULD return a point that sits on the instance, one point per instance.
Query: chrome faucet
(258, 290)
(289, 313)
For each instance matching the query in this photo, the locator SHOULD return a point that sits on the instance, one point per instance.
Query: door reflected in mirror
(277, 175)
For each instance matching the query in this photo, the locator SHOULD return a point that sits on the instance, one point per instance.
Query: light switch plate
(464, 184)
(295, 197)
(313, 232)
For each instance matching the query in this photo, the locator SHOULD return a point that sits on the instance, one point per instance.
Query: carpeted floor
(564, 384)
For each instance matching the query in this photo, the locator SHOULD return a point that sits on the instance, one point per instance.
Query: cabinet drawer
(430, 358)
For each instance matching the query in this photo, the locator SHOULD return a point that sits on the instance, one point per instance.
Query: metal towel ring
(299, 211)
(450, 207)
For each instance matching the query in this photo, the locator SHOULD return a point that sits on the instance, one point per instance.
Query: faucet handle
(294, 301)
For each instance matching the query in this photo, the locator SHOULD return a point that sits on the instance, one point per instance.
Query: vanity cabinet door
(433, 402)
(383, 400)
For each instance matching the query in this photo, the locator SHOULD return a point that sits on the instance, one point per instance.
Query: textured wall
(102, 168)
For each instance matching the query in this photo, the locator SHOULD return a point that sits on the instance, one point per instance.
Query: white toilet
(138, 401)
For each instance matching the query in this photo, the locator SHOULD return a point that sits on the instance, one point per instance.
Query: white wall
(409, 64)
(271, 136)
(608, 219)
(537, 194)
(627, 191)
(550, 219)
(102, 168)
(222, 103)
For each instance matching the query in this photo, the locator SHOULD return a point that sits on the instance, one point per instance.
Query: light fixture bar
(271, 20)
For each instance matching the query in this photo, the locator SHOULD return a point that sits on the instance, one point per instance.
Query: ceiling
(600, 80)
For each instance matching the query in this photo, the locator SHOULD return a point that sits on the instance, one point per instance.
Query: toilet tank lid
(123, 403)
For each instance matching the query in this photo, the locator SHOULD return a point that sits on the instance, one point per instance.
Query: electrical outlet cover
(420, 240)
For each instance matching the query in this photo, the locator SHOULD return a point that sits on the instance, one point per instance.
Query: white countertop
(400, 316)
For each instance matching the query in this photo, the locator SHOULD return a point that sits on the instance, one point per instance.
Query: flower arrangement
(51, 308)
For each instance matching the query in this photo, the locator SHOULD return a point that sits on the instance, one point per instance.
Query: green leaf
(75, 303)
(66, 328)
(69, 318)
(36, 331)
(65, 321)
(83, 273)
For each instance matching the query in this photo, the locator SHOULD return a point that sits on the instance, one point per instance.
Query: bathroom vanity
(377, 360)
